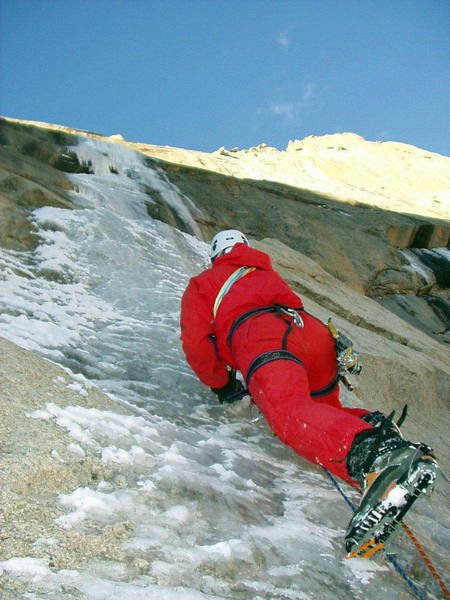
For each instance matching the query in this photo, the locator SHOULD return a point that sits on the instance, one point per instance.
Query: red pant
(319, 429)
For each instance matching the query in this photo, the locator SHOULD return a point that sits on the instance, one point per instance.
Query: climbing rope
(409, 582)
(340, 490)
(426, 559)
(391, 558)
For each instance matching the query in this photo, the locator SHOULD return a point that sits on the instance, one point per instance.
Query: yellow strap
(367, 549)
(333, 329)
(235, 276)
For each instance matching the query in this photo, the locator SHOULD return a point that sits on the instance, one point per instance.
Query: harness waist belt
(273, 308)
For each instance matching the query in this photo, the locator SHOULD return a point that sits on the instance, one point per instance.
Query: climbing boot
(393, 473)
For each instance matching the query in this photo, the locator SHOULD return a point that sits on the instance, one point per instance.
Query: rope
(426, 559)
(390, 557)
(412, 586)
(235, 276)
(339, 489)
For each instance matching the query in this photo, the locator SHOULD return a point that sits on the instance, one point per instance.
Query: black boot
(394, 473)
(384, 436)
(377, 418)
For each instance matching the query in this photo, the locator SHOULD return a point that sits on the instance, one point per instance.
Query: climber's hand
(231, 391)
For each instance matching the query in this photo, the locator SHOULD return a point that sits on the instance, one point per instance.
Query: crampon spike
(402, 416)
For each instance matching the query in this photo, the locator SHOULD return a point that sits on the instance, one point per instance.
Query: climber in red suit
(241, 315)
(290, 370)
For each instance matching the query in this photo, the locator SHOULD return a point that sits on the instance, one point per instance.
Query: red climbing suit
(318, 428)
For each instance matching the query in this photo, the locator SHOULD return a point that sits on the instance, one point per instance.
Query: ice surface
(217, 507)
(416, 266)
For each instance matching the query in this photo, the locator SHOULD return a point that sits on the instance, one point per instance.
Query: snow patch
(91, 504)
(76, 449)
(415, 265)
(363, 570)
(31, 569)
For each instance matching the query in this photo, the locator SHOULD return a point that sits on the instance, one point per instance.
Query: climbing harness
(347, 358)
(278, 309)
(390, 557)
(292, 317)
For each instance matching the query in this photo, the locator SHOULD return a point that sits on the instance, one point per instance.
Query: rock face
(45, 466)
(352, 206)
(364, 211)
(373, 216)
(359, 229)
(31, 175)
(38, 462)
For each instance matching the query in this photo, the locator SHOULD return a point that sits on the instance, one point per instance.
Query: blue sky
(202, 74)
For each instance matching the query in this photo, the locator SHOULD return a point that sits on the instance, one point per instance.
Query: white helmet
(224, 241)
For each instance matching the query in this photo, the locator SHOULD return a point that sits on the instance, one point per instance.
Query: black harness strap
(273, 308)
(328, 388)
(267, 357)
(286, 335)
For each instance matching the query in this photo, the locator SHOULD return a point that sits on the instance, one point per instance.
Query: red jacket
(203, 337)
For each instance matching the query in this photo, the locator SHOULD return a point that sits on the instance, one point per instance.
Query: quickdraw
(348, 360)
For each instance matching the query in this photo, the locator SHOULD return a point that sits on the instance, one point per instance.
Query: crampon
(377, 518)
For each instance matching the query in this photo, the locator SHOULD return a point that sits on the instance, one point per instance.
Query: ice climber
(240, 315)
